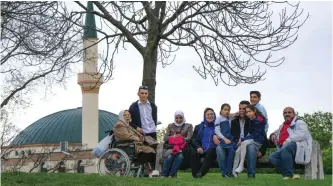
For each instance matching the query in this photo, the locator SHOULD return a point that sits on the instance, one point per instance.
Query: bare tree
(39, 158)
(8, 131)
(228, 36)
(39, 46)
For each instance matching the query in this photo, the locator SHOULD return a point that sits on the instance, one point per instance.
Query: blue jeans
(283, 159)
(225, 164)
(171, 164)
(251, 159)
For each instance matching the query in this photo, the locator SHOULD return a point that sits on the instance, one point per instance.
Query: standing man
(144, 114)
(255, 97)
(295, 142)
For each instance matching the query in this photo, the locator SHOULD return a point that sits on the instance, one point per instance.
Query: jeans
(225, 164)
(171, 164)
(251, 159)
(283, 159)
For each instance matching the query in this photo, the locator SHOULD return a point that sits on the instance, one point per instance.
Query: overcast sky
(304, 81)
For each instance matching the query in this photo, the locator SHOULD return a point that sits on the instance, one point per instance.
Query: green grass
(71, 179)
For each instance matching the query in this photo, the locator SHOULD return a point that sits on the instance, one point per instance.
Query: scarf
(179, 113)
(121, 116)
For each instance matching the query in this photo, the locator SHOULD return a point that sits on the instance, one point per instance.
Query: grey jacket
(187, 132)
(299, 133)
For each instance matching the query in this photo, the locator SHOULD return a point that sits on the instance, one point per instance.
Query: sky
(303, 81)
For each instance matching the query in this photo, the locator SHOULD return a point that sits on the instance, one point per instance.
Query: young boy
(255, 97)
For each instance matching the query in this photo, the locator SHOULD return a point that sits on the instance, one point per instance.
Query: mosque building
(63, 141)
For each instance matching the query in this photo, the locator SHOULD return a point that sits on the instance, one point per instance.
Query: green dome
(64, 125)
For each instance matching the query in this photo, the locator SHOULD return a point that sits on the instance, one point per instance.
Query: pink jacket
(178, 143)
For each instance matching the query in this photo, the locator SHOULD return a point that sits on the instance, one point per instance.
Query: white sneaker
(239, 169)
(235, 174)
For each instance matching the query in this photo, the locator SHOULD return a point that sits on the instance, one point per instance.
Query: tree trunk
(150, 54)
(149, 71)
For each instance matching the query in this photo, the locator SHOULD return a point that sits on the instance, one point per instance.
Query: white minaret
(90, 81)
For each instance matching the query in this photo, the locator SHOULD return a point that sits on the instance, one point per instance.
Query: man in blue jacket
(144, 114)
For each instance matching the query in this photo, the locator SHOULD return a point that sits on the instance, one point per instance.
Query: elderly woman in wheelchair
(130, 152)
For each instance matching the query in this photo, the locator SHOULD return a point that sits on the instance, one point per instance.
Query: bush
(327, 160)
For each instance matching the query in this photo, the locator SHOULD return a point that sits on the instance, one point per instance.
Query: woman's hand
(216, 140)
(200, 150)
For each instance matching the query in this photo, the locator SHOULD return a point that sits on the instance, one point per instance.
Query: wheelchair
(120, 160)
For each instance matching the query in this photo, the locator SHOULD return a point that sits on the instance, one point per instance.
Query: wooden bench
(313, 170)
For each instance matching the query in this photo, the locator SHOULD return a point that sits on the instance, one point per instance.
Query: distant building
(37, 148)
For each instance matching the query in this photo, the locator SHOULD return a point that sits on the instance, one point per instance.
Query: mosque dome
(64, 125)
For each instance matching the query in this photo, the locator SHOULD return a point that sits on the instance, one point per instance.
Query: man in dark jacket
(144, 114)
(239, 129)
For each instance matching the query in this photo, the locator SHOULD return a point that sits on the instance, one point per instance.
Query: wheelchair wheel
(114, 162)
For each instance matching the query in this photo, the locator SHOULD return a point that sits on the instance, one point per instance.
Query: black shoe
(198, 175)
(225, 176)
(230, 175)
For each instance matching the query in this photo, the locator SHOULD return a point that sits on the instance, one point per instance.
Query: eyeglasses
(143, 87)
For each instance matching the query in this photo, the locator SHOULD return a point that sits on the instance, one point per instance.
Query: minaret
(90, 81)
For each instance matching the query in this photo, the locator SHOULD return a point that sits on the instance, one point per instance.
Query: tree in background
(39, 45)
(41, 41)
(320, 126)
(228, 36)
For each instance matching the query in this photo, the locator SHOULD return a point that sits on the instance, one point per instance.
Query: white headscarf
(179, 113)
(121, 116)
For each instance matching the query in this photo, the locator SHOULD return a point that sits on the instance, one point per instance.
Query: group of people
(228, 138)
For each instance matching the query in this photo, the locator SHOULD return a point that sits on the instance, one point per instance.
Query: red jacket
(178, 143)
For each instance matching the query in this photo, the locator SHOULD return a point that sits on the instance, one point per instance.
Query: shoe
(235, 174)
(225, 176)
(230, 175)
(239, 169)
(287, 178)
(296, 177)
(198, 175)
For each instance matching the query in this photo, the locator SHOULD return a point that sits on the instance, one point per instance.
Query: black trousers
(209, 159)
(153, 135)
(147, 158)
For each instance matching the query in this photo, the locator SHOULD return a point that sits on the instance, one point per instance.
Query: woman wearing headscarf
(176, 138)
(124, 132)
(203, 145)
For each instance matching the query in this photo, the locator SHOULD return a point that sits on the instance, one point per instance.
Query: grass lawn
(71, 179)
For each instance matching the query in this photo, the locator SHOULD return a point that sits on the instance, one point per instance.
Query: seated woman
(123, 131)
(203, 145)
(176, 138)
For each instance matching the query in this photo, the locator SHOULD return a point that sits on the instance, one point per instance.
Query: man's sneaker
(287, 178)
(296, 177)
(225, 176)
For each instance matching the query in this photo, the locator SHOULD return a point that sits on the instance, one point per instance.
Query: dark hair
(244, 102)
(253, 108)
(223, 105)
(144, 87)
(208, 109)
(256, 93)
